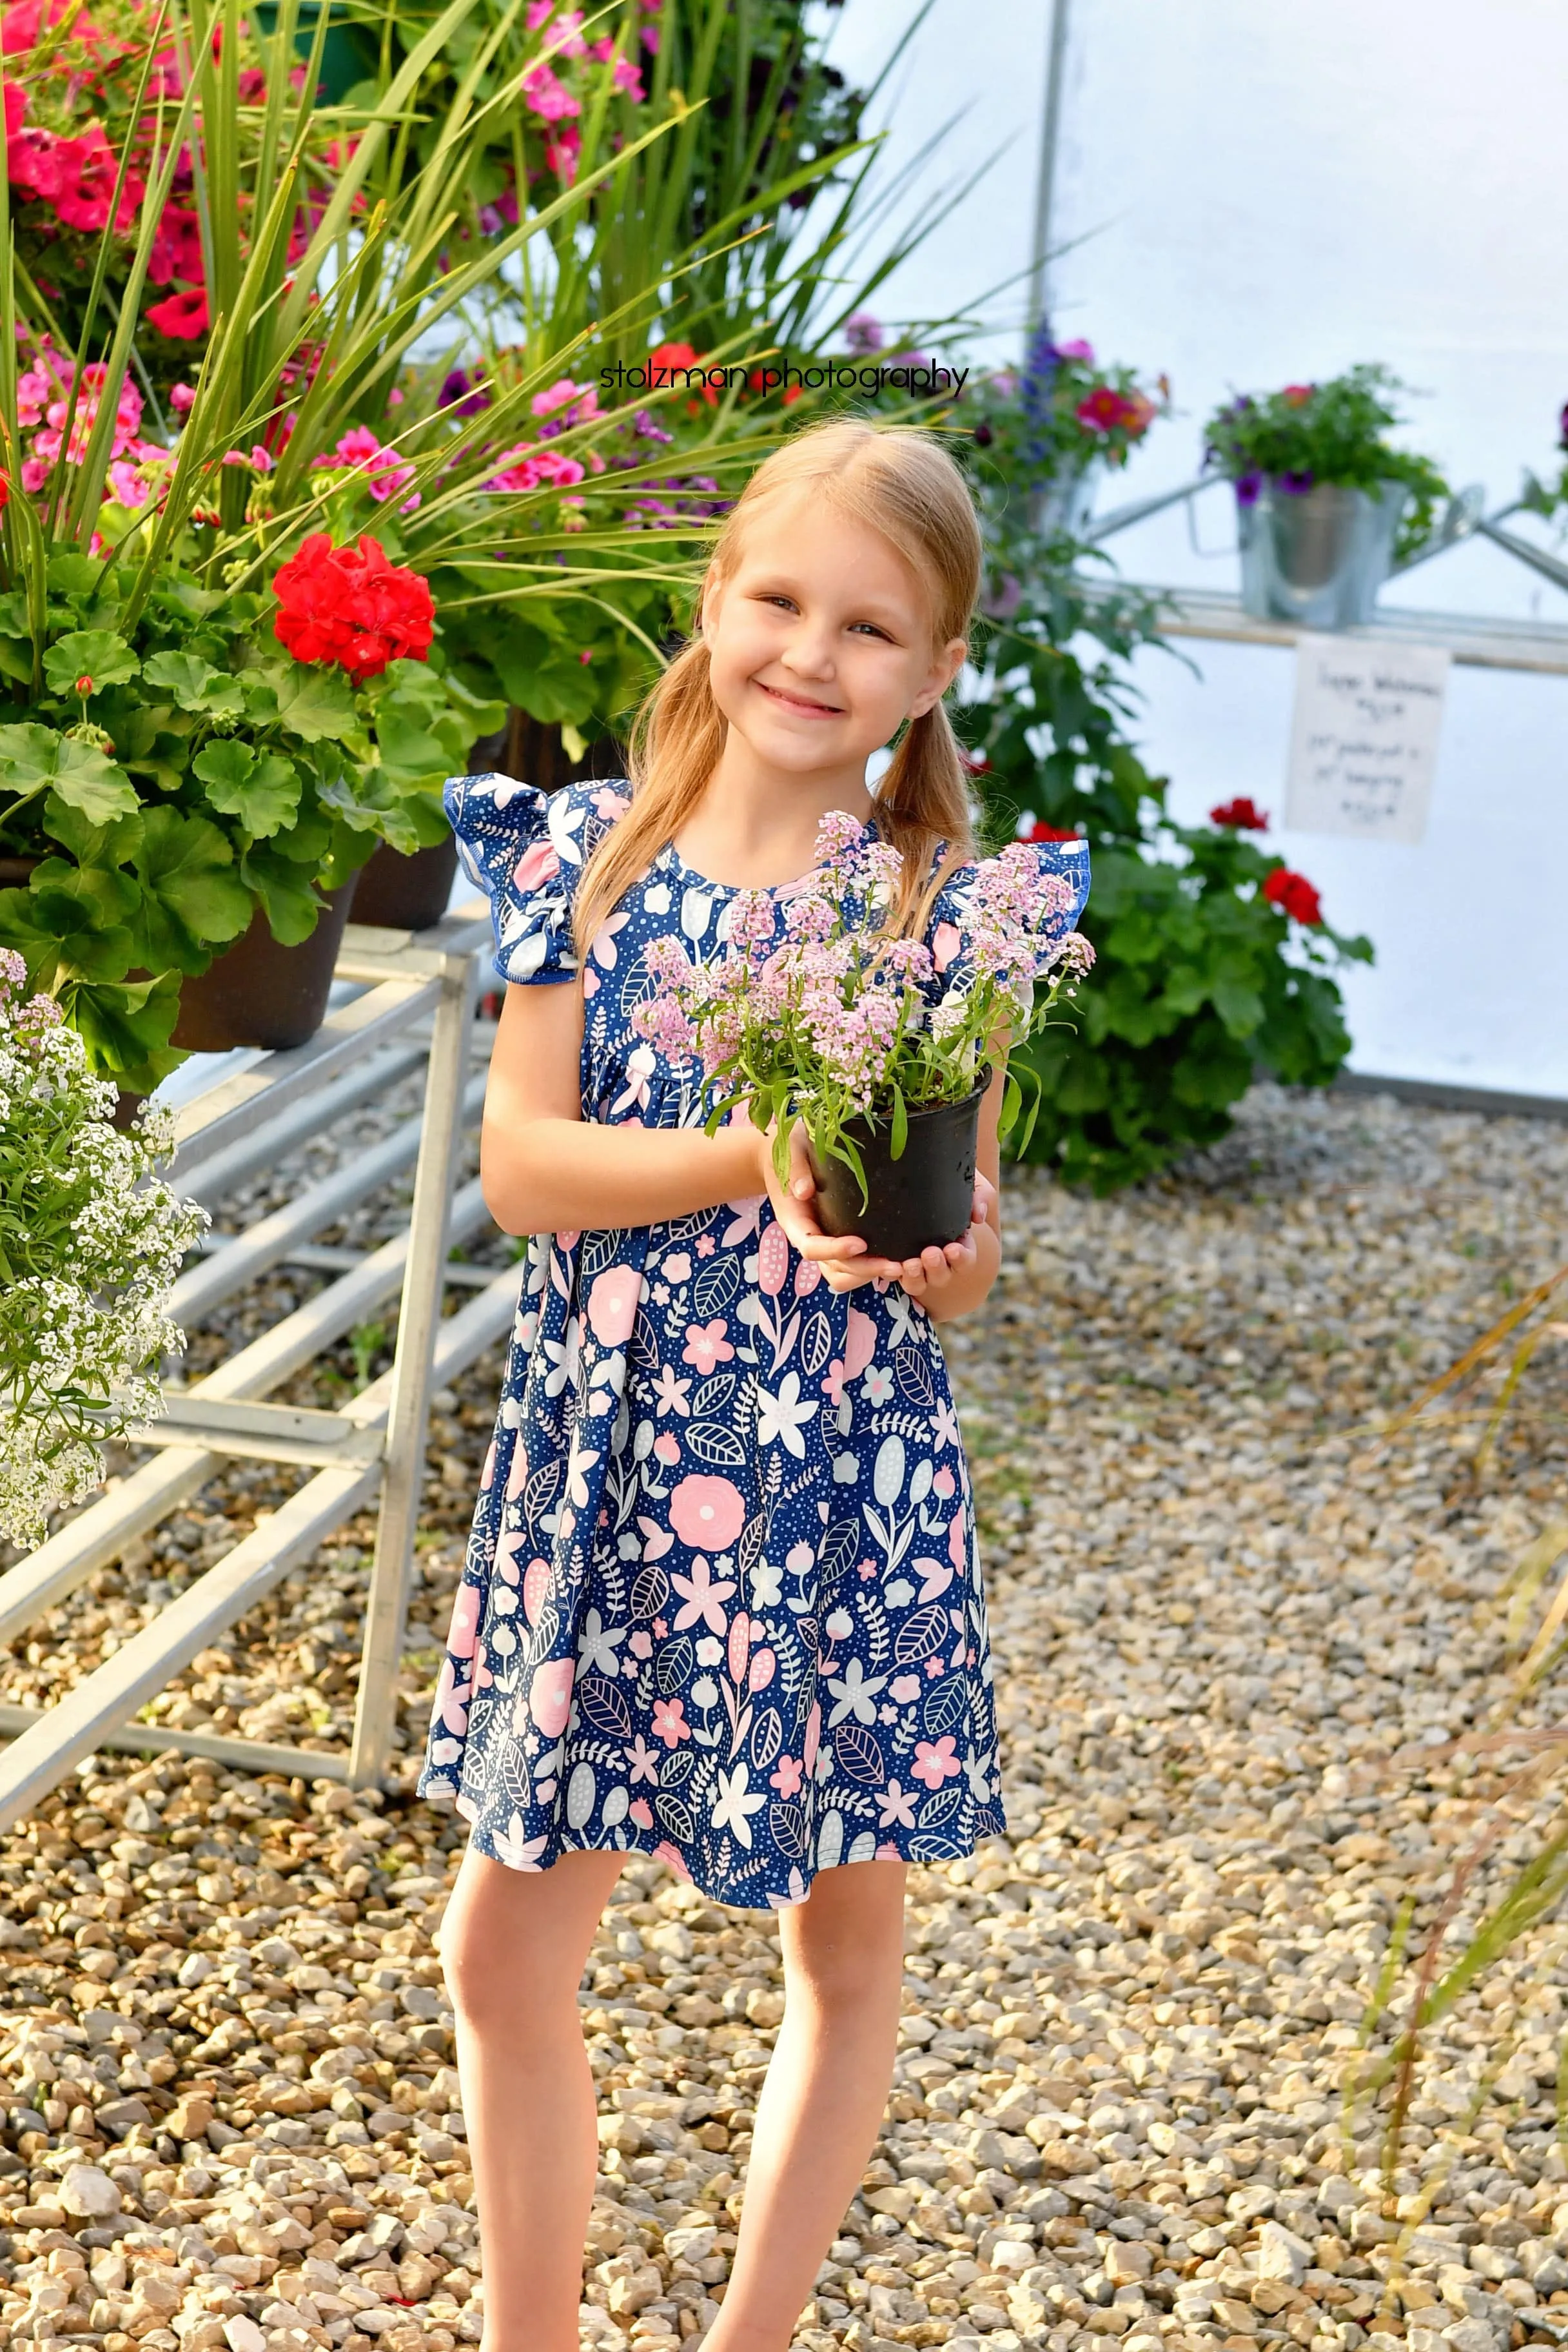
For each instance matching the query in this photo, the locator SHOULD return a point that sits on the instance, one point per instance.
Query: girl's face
(820, 638)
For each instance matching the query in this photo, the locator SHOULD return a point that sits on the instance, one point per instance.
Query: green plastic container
(349, 53)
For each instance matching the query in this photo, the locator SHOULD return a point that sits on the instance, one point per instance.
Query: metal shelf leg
(376, 1715)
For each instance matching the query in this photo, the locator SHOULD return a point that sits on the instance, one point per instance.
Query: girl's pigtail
(923, 807)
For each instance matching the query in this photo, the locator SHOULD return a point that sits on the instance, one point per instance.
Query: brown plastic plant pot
(922, 1200)
(406, 890)
(260, 993)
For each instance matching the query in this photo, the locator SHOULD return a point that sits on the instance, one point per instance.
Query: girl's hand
(928, 1276)
(791, 1204)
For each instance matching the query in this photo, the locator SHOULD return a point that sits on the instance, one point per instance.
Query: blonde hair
(903, 484)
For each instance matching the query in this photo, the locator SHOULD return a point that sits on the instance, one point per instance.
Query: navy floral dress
(721, 1601)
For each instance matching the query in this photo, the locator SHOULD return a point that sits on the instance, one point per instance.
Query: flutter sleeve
(950, 932)
(526, 850)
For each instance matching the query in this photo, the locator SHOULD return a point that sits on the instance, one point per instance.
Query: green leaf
(16, 658)
(370, 803)
(196, 685)
(289, 903)
(900, 1134)
(411, 756)
(72, 575)
(91, 844)
(261, 789)
(194, 899)
(34, 757)
(97, 653)
(316, 704)
(126, 1028)
(60, 931)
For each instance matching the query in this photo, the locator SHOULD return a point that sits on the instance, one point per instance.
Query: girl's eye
(870, 627)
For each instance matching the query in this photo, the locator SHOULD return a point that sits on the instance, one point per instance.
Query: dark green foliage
(1199, 980)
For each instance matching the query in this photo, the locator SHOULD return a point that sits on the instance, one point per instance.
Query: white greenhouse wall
(1250, 194)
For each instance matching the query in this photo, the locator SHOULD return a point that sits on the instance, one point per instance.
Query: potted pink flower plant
(882, 1047)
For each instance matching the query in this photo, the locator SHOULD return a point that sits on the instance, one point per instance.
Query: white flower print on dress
(781, 1418)
(676, 1629)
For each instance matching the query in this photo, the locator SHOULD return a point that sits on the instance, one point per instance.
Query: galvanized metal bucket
(1066, 502)
(1317, 557)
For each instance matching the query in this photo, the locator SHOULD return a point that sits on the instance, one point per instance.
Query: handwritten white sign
(1364, 741)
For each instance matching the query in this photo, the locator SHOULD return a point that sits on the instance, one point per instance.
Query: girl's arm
(545, 1168)
(948, 1282)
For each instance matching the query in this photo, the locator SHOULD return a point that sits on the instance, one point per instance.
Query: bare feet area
(1225, 1615)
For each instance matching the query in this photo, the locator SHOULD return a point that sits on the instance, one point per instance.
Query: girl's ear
(946, 666)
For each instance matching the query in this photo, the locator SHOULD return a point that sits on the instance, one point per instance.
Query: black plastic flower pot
(920, 1201)
(406, 891)
(257, 993)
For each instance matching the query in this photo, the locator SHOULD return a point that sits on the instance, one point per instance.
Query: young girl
(721, 1602)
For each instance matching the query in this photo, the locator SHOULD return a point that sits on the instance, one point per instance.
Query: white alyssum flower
(91, 1244)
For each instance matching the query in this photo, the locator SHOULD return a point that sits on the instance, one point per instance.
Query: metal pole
(1044, 193)
(376, 1713)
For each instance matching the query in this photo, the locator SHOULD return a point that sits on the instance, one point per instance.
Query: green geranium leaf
(261, 789)
(316, 704)
(33, 758)
(126, 1028)
(72, 575)
(290, 905)
(72, 924)
(196, 685)
(16, 658)
(192, 897)
(412, 758)
(372, 802)
(91, 844)
(97, 653)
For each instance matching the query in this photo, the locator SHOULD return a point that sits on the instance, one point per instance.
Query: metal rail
(374, 1445)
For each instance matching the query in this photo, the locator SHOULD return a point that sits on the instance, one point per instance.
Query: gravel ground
(1223, 1617)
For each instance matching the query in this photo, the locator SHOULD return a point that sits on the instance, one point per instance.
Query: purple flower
(862, 333)
(1563, 430)
(1295, 485)
(1246, 489)
(459, 387)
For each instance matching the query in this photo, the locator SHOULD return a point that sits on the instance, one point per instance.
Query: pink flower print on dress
(464, 1635)
(773, 1261)
(946, 940)
(705, 1598)
(613, 1304)
(669, 1722)
(677, 1266)
(549, 1696)
(710, 1512)
(603, 948)
(786, 1777)
(807, 1275)
(641, 1813)
(813, 1734)
(739, 1645)
(935, 1762)
(667, 1449)
(761, 1670)
(452, 1697)
(905, 1689)
(641, 1064)
(674, 1860)
(705, 1345)
(538, 864)
(944, 1483)
(487, 1475)
(610, 805)
(535, 1585)
(859, 1345)
(957, 1544)
(642, 1761)
(506, 1557)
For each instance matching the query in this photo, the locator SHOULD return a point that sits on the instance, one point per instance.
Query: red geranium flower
(349, 606)
(666, 362)
(181, 315)
(1298, 394)
(1244, 814)
(1040, 831)
(1294, 896)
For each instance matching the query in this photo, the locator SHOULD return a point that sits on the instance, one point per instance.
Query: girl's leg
(512, 1944)
(824, 2097)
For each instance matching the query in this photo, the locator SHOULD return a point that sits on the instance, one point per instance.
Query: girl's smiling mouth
(799, 703)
